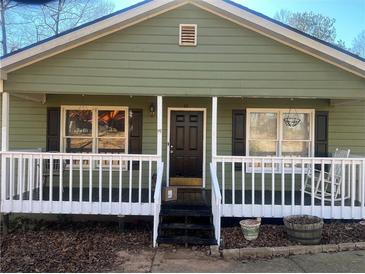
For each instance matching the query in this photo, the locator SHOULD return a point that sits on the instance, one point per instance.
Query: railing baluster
(81, 183)
(100, 183)
(70, 183)
(322, 187)
(36, 181)
(282, 186)
(312, 183)
(28, 175)
(140, 182)
(362, 182)
(292, 186)
(353, 181)
(302, 187)
(262, 186)
(233, 183)
(130, 180)
(223, 183)
(149, 181)
(40, 192)
(349, 170)
(272, 187)
(343, 181)
(90, 182)
(243, 185)
(3, 179)
(31, 183)
(21, 180)
(51, 183)
(332, 188)
(11, 180)
(253, 187)
(61, 181)
(120, 183)
(110, 184)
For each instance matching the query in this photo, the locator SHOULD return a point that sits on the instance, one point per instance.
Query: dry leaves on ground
(81, 247)
(275, 235)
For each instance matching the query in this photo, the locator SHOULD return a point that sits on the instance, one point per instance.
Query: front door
(186, 148)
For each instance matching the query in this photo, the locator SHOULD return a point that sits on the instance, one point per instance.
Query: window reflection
(78, 123)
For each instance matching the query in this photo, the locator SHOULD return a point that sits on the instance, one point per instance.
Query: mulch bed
(275, 235)
(75, 247)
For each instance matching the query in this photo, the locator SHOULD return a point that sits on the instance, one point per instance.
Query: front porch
(100, 183)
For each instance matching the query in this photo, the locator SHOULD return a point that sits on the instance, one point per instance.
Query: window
(238, 132)
(94, 129)
(267, 134)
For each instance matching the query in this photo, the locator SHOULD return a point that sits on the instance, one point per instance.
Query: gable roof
(150, 8)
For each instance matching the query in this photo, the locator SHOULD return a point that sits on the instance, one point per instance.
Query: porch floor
(184, 196)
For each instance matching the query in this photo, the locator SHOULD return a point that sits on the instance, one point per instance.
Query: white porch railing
(216, 203)
(281, 186)
(75, 183)
(157, 203)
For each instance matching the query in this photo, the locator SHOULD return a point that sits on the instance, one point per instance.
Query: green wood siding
(27, 124)
(347, 127)
(146, 59)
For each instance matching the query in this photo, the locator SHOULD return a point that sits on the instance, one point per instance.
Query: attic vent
(188, 35)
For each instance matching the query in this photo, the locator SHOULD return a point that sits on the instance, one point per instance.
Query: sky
(349, 14)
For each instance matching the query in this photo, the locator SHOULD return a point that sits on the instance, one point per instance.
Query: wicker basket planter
(304, 229)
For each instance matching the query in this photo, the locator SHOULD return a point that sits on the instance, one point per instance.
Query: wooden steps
(186, 222)
(186, 240)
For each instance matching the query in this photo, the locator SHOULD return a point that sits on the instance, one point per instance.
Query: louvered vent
(188, 35)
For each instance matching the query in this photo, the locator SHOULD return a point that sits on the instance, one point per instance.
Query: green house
(257, 118)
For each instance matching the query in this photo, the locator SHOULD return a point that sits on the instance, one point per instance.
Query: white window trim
(279, 139)
(94, 134)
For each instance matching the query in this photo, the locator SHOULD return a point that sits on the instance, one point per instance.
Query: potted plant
(305, 229)
(250, 228)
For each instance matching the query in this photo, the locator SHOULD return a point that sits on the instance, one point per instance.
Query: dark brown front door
(186, 148)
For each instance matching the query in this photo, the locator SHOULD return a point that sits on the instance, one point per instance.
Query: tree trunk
(59, 10)
(3, 28)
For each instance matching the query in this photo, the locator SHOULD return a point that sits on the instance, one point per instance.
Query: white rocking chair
(335, 170)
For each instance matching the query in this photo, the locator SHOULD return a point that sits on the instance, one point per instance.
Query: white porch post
(159, 127)
(4, 144)
(5, 122)
(214, 129)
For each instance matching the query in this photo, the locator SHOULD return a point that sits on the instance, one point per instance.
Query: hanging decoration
(291, 119)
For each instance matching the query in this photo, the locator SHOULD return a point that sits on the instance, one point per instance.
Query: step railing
(77, 183)
(216, 203)
(281, 186)
(157, 202)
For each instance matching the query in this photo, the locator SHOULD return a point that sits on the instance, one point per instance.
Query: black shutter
(53, 129)
(239, 132)
(321, 134)
(135, 133)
